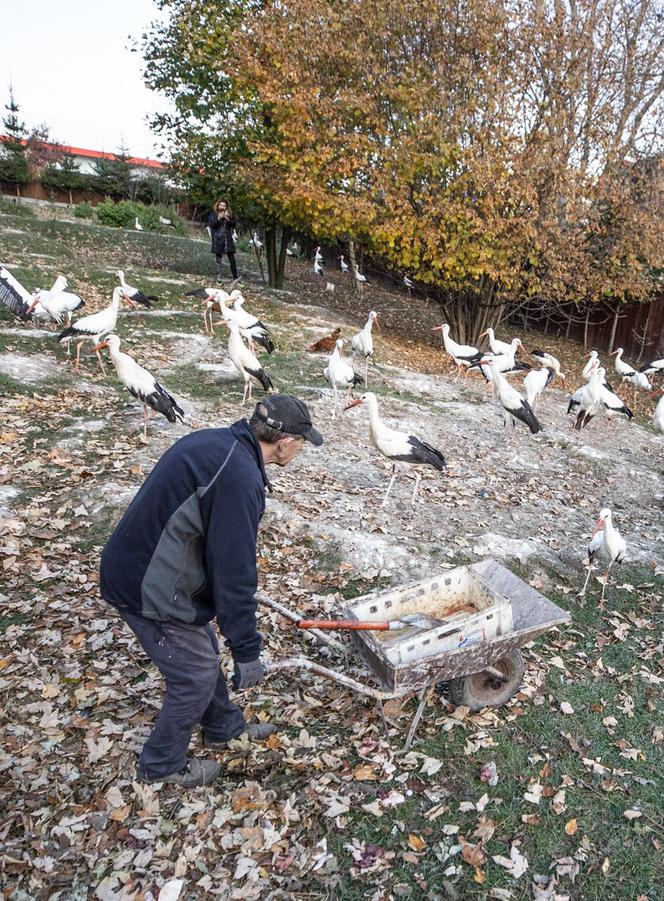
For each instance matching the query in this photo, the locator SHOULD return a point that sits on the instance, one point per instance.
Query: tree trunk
(353, 266)
(281, 258)
(271, 254)
(614, 329)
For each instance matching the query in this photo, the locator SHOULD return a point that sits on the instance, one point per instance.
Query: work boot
(194, 772)
(255, 731)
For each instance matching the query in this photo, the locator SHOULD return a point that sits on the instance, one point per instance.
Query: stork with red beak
(94, 327)
(606, 544)
(362, 343)
(402, 450)
(212, 298)
(141, 384)
(629, 374)
(464, 355)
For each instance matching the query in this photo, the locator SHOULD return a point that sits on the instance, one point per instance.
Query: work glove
(248, 674)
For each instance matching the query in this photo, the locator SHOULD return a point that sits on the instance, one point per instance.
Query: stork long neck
(374, 418)
(367, 326)
(122, 279)
(609, 530)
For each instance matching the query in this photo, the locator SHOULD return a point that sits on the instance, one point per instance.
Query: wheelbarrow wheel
(483, 689)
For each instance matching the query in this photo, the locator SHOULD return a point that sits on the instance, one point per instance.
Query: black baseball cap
(288, 414)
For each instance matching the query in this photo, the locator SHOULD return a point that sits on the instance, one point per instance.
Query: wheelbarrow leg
(423, 698)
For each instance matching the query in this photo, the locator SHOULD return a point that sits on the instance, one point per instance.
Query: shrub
(84, 210)
(123, 214)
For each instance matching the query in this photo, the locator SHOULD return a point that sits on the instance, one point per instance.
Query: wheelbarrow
(476, 653)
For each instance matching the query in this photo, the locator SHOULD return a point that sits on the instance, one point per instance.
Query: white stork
(134, 295)
(592, 364)
(593, 398)
(137, 225)
(244, 361)
(462, 354)
(606, 544)
(211, 298)
(498, 347)
(629, 374)
(94, 327)
(362, 342)
(168, 223)
(535, 382)
(655, 367)
(515, 407)
(548, 360)
(340, 374)
(359, 278)
(505, 363)
(318, 269)
(58, 302)
(18, 300)
(141, 384)
(409, 283)
(250, 326)
(343, 264)
(401, 449)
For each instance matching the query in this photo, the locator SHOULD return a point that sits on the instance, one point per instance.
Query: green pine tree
(13, 161)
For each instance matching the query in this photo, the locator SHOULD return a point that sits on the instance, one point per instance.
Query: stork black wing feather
(66, 333)
(425, 453)
(264, 341)
(11, 298)
(261, 376)
(524, 413)
(199, 292)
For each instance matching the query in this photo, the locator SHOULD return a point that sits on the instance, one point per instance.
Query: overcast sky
(71, 68)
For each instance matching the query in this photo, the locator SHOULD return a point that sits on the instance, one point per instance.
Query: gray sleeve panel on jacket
(177, 568)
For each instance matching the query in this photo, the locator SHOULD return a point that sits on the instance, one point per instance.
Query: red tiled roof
(98, 154)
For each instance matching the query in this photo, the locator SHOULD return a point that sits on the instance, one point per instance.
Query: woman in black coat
(221, 224)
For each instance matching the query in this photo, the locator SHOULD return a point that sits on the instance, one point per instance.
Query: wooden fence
(636, 327)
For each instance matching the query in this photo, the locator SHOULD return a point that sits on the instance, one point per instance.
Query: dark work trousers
(188, 659)
(231, 260)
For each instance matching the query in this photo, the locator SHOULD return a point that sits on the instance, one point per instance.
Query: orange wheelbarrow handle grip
(342, 624)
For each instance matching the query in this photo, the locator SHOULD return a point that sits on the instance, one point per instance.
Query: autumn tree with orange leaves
(494, 151)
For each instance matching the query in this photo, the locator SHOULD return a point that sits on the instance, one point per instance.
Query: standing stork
(343, 264)
(250, 326)
(515, 407)
(340, 374)
(497, 347)
(58, 302)
(629, 374)
(592, 364)
(655, 367)
(463, 354)
(606, 544)
(134, 295)
(595, 397)
(245, 362)
(141, 384)
(362, 343)
(94, 327)
(212, 298)
(401, 449)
